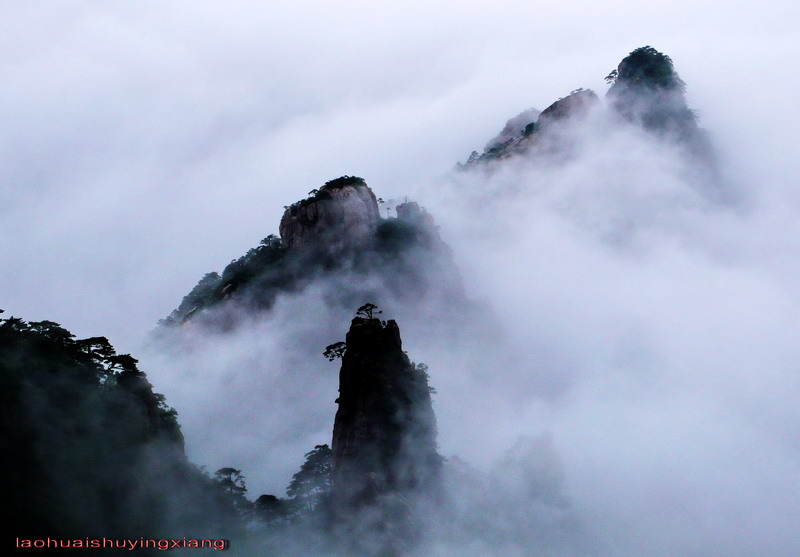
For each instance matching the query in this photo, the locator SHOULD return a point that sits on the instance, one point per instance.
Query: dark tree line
(90, 449)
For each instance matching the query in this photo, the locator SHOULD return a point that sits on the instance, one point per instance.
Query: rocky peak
(336, 230)
(513, 128)
(574, 105)
(523, 132)
(384, 434)
(646, 89)
(341, 214)
(422, 222)
(645, 68)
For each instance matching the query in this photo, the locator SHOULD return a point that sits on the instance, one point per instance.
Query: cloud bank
(646, 331)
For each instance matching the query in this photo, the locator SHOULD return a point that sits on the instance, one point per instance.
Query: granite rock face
(576, 105)
(342, 214)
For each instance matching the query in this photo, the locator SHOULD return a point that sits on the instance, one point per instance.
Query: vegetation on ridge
(256, 278)
(94, 450)
(647, 67)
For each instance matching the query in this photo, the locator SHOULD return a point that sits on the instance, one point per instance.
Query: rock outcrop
(341, 214)
(337, 239)
(513, 128)
(576, 105)
(645, 90)
(384, 433)
(385, 464)
(519, 137)
(421, 221)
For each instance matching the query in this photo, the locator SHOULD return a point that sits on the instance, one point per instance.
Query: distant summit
(524, 134)
(335, 232)
(646, 68)
(645, 91)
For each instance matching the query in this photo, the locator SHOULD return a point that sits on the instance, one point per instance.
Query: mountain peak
(384, 440)
(646, 89)
(648, 68)
(342, 213)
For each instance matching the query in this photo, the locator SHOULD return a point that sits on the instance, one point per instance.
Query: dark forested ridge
(335, 233)
(96, 453)
(90, 449)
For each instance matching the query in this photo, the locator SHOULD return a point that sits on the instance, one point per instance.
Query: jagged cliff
(384, 438)
(384, 434)
(576, 105)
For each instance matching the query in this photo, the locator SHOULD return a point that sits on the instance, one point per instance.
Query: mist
(638, 345)
(655, 330)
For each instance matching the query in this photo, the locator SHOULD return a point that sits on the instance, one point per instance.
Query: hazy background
(144, 145)
(650, 335)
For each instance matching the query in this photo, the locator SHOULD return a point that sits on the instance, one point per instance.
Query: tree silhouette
(231, 480)
(270, 508)
(313, 482)
(367, 311)
(232, 483)
(335, 350)
(271, 240)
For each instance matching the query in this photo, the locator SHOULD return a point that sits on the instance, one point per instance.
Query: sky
(144, 145)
